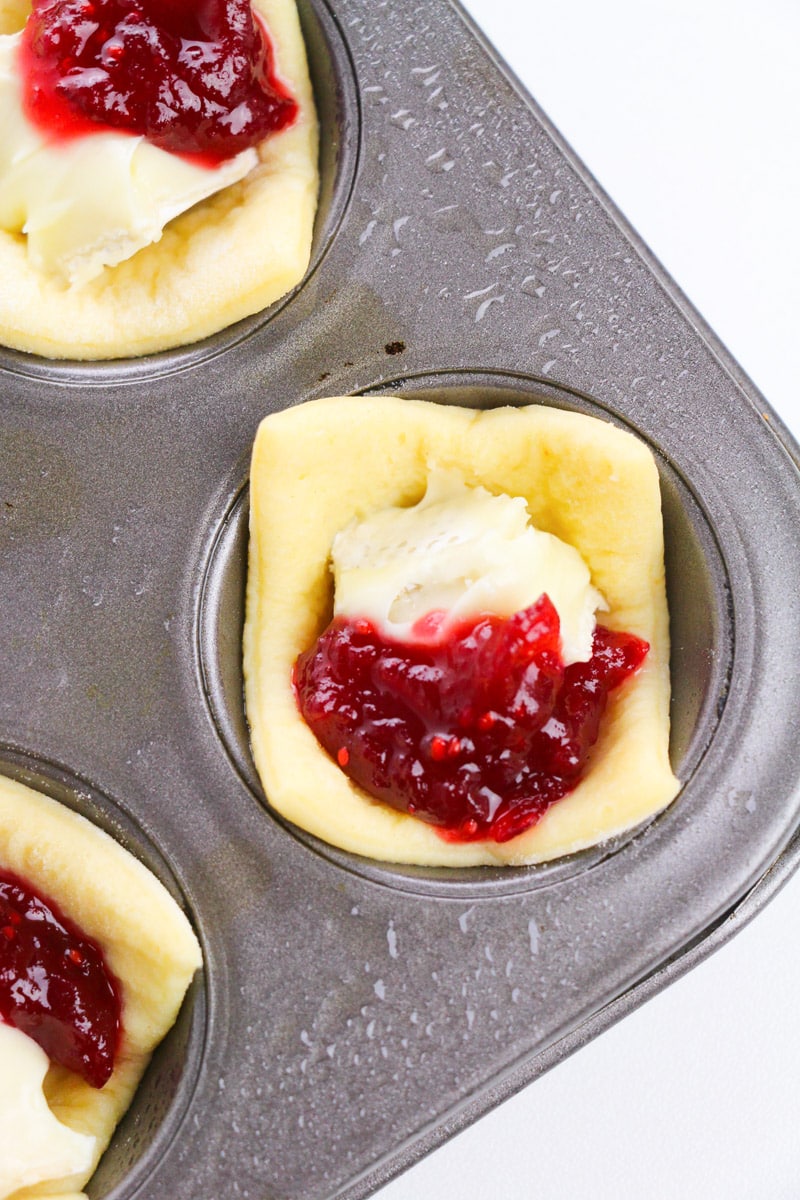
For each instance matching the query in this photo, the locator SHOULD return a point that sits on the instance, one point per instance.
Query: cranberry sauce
(54, 983)
(192, 76)
(478, 733)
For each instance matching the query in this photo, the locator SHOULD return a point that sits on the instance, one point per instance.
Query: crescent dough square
(147, 941)
(228, 257)
(317, 466)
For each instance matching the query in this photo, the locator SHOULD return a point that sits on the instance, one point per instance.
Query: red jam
(54, 984)
(192, 76)
(478, 733)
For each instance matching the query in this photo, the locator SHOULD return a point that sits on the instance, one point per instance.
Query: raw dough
(147, 941)
(317, 466)
(225, 259)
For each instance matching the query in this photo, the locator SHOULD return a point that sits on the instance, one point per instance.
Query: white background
(688, 113)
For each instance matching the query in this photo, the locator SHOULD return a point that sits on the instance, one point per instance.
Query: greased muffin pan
(351, 1015)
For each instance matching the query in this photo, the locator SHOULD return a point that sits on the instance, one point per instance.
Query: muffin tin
(352, 1015)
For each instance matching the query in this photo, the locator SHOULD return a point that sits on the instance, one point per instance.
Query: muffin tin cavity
(164, 1093)
(700, 628)
(338, 111)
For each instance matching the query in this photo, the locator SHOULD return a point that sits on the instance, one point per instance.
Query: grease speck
(534, 936)
(465, 920)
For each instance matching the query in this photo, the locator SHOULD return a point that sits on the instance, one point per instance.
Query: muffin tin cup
(701, 634)
(353, 1014)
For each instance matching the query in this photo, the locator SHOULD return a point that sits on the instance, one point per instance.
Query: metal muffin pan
(351, 1015)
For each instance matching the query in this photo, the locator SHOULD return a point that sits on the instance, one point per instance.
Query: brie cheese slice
(460, 551)
(36, 1146)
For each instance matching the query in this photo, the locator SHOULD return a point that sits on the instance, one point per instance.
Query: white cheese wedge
(36, 1146)
(86, 203)
(464, 551)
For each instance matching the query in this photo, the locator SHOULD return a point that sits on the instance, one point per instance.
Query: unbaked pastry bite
(95, 960)
(342, 471)
(118, 241)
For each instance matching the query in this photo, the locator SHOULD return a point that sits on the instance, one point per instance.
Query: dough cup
(147, 941)
(228, 257)
(317, 466)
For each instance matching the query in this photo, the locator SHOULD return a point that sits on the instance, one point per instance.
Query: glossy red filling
(478, 733)
(55, 985)
(192, 76)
